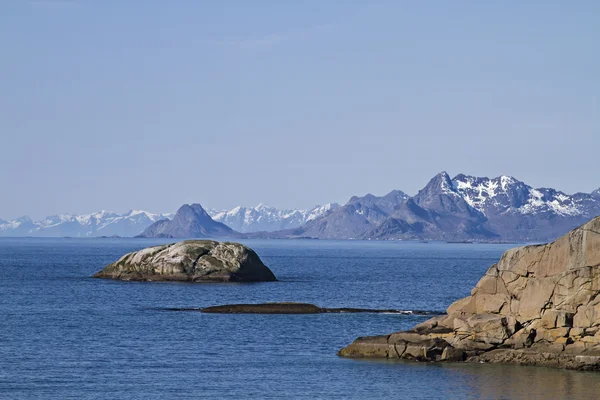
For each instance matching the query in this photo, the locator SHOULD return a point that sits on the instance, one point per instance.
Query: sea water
(64, 335)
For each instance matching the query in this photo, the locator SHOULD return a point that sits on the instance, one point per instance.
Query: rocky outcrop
(539, 305)
(190, 260)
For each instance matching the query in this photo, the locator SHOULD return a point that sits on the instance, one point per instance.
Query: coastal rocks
(538, 305)
(190, 260)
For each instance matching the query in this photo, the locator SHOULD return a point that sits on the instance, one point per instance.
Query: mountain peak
(191, 220)
(441, 195)
(506, 181)
(24, 219)
(440, 182)
(102, 214)
(355, 199)
(191, 212)
(502, 183)
(135, 212)
(262, 207)
(396, 193)
(444, 180)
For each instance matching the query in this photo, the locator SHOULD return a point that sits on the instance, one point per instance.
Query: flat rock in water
(190, 261)
(289, 308)
(266, 308)
(540, 305)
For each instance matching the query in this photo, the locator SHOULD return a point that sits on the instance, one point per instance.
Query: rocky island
(192, 261)
(538, 305)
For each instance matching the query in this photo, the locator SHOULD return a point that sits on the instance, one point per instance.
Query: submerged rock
(538, 306)
(190, 260)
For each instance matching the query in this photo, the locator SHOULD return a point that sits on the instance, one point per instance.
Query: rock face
(190, 260)
(539, 305)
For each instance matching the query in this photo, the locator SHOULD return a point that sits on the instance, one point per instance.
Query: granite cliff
(539, 305)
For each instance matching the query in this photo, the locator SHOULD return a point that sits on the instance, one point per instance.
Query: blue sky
(127, 104)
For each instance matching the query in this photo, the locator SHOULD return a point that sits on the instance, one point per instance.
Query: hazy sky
(130, 104)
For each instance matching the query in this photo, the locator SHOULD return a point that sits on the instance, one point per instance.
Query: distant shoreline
(420, 241)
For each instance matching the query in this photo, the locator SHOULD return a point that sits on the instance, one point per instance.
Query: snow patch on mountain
(318, 211)
(101, 223)
(446, 184)
(507, 194)
(555, 202)
(266, 218)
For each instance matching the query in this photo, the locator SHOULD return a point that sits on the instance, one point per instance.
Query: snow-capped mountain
(506, 194)
(516, 210)
(102, 223)
(460, 208)
(17, 227)
(267, 219)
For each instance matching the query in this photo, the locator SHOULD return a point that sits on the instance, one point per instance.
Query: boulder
(539, 305)
(192, 261)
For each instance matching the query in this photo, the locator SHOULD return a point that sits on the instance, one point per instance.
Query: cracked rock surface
(190, 260)
(538, 305)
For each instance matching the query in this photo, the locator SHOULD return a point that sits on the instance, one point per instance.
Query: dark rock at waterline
(266, 308)
(191, 261)
(290, 308)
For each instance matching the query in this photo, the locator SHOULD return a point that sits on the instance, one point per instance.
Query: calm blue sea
(64, 335)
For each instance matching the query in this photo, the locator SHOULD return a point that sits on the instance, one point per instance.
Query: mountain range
(102, 223)
(134, 222)
(268, 219)
(460, 208)
(194, 221)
